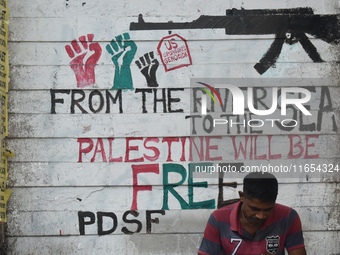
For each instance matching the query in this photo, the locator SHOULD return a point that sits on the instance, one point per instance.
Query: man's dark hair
(262, 186)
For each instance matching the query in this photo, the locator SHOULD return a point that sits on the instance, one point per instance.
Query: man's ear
(241, 194)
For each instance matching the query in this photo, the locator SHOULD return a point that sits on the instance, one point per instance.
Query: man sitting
(255, 225)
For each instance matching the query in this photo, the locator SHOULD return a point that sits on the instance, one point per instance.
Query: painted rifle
(288, 25)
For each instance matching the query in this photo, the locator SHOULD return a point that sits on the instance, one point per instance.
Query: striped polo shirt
(224, 234)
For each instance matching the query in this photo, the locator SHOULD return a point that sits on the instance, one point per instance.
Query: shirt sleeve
(211, 242)
(294, 238)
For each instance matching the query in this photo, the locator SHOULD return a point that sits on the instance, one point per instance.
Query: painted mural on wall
(246, 138)
(127, 136)
(288, 25)
(207, 146)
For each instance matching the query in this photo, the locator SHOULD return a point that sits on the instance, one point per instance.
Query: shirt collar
(235, 224)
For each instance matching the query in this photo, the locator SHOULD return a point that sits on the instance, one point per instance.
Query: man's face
(255, 211)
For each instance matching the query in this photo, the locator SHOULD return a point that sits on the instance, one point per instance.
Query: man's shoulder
(223, 213)
(282, 207)
(283, 211)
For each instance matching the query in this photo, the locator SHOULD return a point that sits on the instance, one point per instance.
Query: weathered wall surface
(102, 120)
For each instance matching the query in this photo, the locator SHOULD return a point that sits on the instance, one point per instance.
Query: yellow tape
(4, 14)
(3, 4)
(4, 70)
(3, 114)
(4, 73)
(3, 33)
(4, 196)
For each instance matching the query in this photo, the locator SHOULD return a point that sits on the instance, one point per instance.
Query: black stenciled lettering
(149, 220)
(75, 101)
(100, 216)
(244, 90)
(196, 100)
(193, 117)
(325, 107)
(224, 94)
(139, 224)
(227, 117)
(251, 130)
(306, 127)
(82, 222)
(143, 91)
(210, 126)
(101, 101)
(302, 126)
(290, 125)
(258, 99)
(58, 100)
(161, 100)
(173, 100)
(114, 100)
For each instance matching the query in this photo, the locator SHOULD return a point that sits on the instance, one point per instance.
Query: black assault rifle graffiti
(288, 25)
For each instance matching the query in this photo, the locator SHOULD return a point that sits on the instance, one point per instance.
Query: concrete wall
(101, 121)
